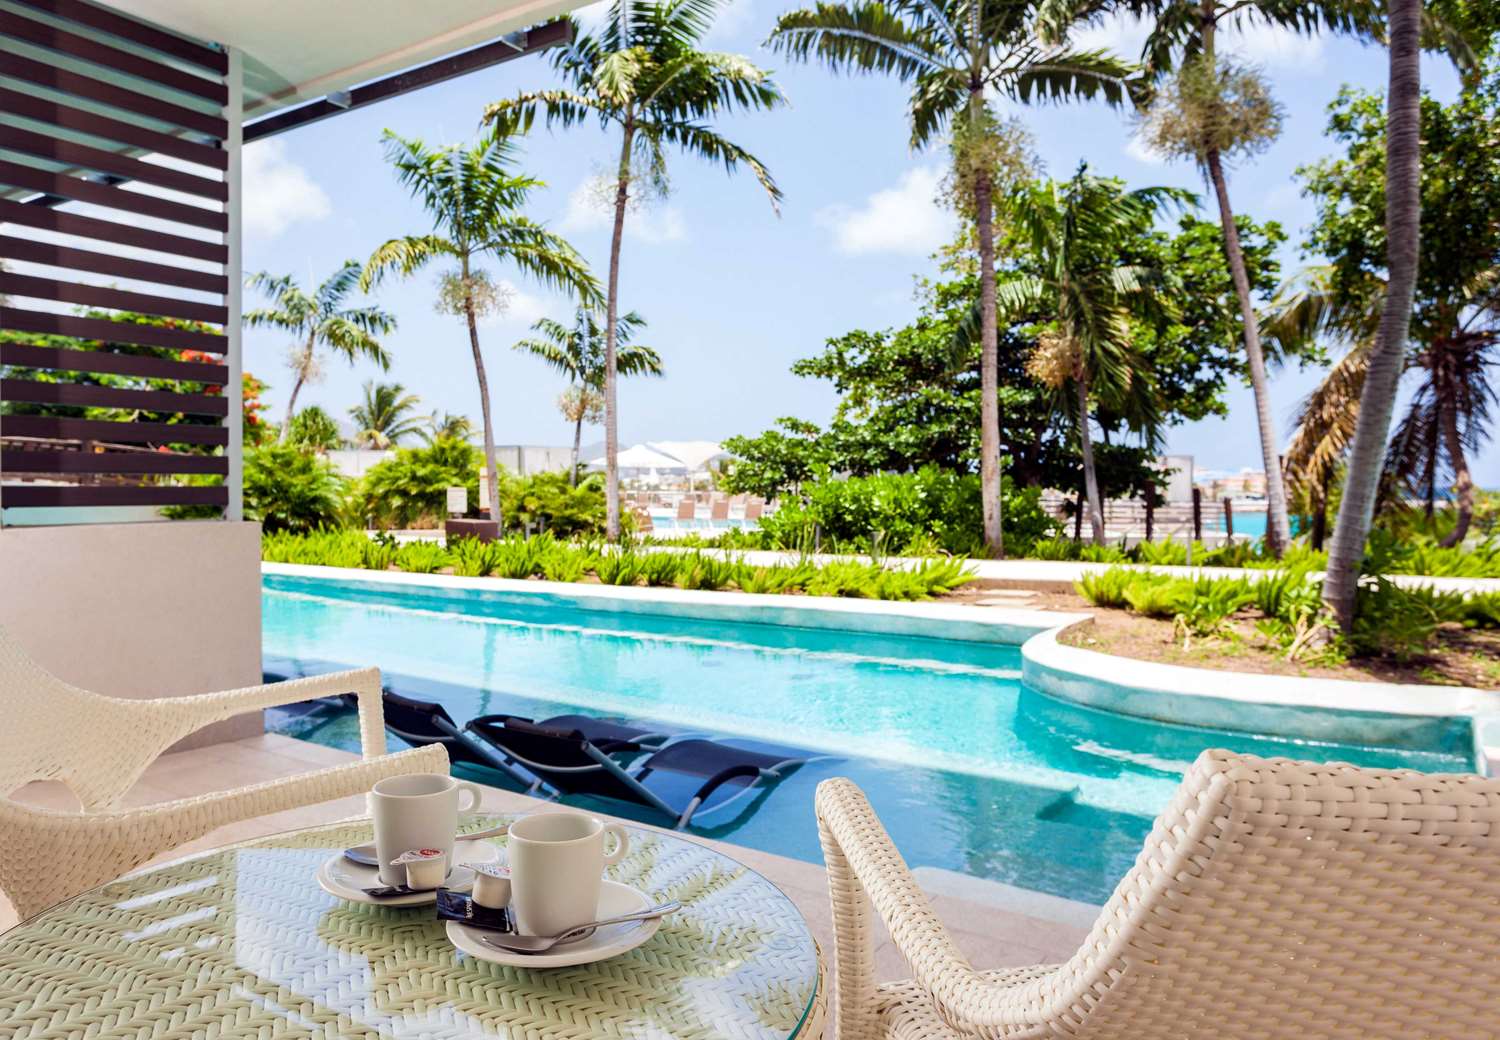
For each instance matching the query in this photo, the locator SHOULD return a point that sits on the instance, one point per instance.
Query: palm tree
(953, 53)
(474, 199)
(644, 75)
(448, 426)
(1448, 415)
(314, 430)
(1075, 233)
(318, 319)
(385, 416)
(1403, 171)
(577, 351)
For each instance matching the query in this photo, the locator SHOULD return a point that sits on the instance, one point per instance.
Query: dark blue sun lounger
(420, 723)
(574, 762)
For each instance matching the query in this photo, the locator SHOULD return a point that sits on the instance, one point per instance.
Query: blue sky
(734, 294)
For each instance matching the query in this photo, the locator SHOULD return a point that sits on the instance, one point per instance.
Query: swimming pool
(971, 770)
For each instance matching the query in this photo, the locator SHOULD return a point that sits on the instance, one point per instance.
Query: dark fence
(113, 169)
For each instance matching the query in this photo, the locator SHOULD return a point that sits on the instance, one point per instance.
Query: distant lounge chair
(573, 762)
(719, 510)
(754, 510)
(686, 510)
(421, 723)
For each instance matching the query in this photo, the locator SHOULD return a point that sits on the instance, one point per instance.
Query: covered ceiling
(297, 51)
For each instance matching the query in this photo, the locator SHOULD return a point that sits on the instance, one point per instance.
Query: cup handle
(472, 790)
(622, 844)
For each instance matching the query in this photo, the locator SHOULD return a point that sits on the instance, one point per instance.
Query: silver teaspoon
(543, 943)
(365, 854)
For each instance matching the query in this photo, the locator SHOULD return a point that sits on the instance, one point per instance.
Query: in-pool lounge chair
(422, 723)
(1273, 900)
(574, 762)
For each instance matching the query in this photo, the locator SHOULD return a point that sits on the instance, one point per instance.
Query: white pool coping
(888, 617)
(1296, 707)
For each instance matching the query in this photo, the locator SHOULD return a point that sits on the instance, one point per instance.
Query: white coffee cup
(557, 866)
(416, 811)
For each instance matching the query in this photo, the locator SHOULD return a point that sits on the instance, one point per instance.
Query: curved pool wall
(922, 704)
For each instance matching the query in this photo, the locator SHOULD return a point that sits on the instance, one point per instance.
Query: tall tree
(474, 198)
(385, 416)
(1077, 235)
(956, 54)
(577, 351)
(319, 320)
(644, 75)
(1212, 110)
(1403, 209)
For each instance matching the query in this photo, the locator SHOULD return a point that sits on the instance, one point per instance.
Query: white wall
(139, 610)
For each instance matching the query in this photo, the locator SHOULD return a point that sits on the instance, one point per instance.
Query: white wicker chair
(99, 746)
(1273, 899)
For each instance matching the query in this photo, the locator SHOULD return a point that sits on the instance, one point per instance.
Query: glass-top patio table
(241, 942)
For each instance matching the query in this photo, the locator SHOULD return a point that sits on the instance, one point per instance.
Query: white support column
(235, 422)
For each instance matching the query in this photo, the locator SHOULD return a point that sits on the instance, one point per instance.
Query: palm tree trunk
(1085, 444)
(1403, 206)
(989, 363)
(291, 403)
(1278, 524)
(291, 406)
(611, 377)
(577, 441)
(491, 471)
(1463, 483)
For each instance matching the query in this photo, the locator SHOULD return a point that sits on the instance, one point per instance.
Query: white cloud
(903, 219)
(1261, 43)
(1123, 34)
(590, 209)
(1141, 152)
(522, 308)
(278, 193)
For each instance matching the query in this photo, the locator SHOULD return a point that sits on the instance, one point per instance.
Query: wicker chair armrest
(193, 712)
(864, 868)
(90, 848)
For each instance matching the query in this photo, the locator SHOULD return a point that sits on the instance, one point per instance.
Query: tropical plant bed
(1459, 656)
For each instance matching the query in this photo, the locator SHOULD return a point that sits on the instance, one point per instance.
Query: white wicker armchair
(99, 746)
(1273, 898)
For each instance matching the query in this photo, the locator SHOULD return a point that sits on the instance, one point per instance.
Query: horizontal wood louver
(114, 280)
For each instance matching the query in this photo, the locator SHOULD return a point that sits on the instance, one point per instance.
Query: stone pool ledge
(1013, 625)
(1450, 718)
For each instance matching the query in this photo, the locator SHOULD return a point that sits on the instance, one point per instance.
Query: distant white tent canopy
(695, 455)
(644, 457)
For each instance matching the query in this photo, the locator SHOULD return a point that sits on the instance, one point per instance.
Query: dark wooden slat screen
(107, 331)
(70, 137)
(136, 32)
(86, 396)
(132, 101)
(30, 496)
(54, 255)
(45, 110)
(111, 231)
(69, 153)
(105, 362)
(82, 47)
(22, 461)
(115, 299)
(54, 427)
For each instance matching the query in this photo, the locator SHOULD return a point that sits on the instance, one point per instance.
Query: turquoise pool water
(970, 770)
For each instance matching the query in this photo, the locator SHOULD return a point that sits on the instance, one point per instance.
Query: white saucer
(346, 879)
(609, 941)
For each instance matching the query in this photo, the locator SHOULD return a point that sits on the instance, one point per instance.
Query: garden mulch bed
(1462, 657)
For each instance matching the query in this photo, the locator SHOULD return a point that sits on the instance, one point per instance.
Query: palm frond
(707, 144)
(864, 37)
(405, 256)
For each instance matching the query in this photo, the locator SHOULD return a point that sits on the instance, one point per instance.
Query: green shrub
(411, 487)
(288, 489)
(1157, 596)
(379, 552)
(564, 562)
(709, 573)
(422, 557)
(1481, 611)
(546, 501)
(1106, 588)
(660, 569)
(777, 578)
(943, 575)
(472, 558)
(618, 568)
(904, 511)
(1208, 606)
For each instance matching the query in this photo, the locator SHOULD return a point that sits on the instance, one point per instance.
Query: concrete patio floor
(991, 935)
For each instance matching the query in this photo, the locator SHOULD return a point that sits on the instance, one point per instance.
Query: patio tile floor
(990, 937)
